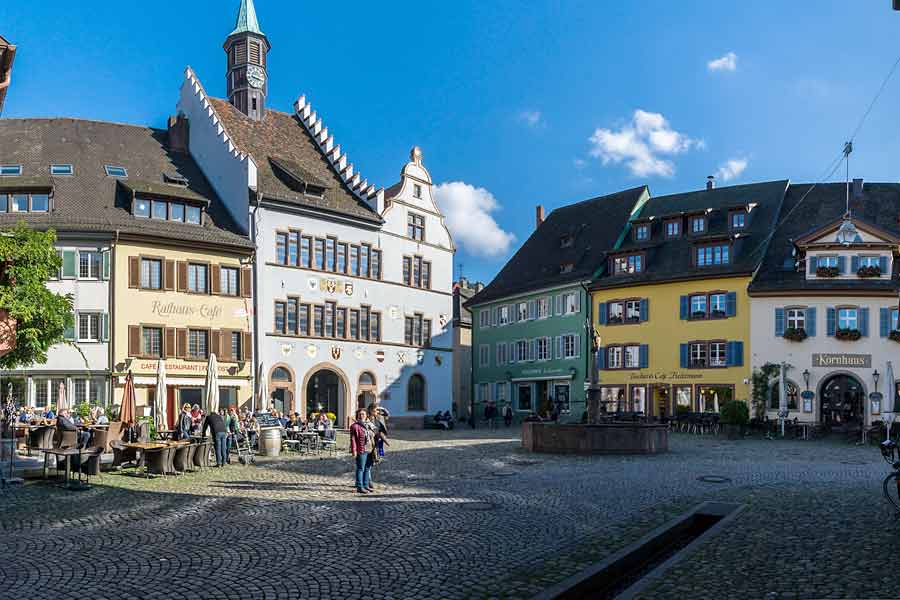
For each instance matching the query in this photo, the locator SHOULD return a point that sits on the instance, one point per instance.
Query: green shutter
(105, 270)
(104, 327)
(69, 332)
(68, 268)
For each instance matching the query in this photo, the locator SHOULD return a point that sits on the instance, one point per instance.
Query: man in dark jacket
(184, 423)
(215, 422)
(64, 422)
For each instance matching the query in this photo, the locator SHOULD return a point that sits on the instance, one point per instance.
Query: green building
(531, 326)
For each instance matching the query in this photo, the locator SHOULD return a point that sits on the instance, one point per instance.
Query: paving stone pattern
(459, 515)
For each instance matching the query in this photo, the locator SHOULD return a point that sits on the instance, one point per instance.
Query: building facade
(825, 303)
(352, 283)
(531, 342)
(463, 290)
(671, 310)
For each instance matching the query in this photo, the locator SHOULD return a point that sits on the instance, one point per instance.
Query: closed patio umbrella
(890, 398)
(128, 408)
(61, 401)
(782, 397)
(211, 393)
(262, 393)
(159, 398)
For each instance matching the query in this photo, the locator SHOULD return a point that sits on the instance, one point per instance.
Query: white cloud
(531, 118)
(723, 63)
(467, 211)
(639, 142)
(731, 169)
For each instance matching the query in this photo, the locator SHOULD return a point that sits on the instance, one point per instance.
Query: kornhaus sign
(856, 361)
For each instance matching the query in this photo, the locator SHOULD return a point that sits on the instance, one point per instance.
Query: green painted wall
(565, 360)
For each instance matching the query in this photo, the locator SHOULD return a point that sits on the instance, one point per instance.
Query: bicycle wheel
(891, 488)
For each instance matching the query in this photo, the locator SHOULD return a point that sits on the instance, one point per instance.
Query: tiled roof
(878, 206)
(594, 225)
(672, 259)
(91, 201)
(281, 136)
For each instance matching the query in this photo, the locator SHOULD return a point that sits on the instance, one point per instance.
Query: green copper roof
(246, 19)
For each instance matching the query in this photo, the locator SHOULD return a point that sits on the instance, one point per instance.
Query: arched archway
(416, 394)
(366, 389)
(327, 386)
(281, 384)
(842, 398)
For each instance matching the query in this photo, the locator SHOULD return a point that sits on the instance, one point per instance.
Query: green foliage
(761, 382)
(150, 424)
(734, 412)
(41, 315)
(83, 410)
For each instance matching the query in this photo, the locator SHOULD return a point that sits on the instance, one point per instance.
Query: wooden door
(172, 408)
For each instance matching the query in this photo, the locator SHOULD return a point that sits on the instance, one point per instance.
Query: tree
(42, 316)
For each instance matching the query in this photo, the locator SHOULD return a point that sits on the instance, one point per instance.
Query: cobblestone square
(458, 515)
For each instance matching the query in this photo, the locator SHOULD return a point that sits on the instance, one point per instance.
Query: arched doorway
(281, 388)
(415, 394)
(325, 392)
(365, 393)
(842, 398)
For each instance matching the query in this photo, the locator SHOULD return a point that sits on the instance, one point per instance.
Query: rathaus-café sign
(857, 361)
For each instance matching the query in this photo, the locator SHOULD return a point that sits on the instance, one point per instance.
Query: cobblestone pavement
(460, 515)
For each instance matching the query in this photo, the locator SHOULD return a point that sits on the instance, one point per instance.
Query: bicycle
(891, 485)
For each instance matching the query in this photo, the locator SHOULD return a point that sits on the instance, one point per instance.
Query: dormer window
(673, 228)
(566, 241)
(417, 190)
(175, 179)
(566, 267)
(642, 232)
(698, 225)
(714, 254)
(10, 170)
(165, 210)
(24, 202)
(631, 263)
(61, 170)
(115, 171)
(738, 219)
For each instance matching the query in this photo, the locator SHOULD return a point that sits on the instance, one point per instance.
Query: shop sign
(663, 376)
(856, 361)
(167, 310)
(197, 368)
(538, 372)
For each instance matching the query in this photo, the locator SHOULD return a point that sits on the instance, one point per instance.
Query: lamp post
(806, 378)
(875, 377)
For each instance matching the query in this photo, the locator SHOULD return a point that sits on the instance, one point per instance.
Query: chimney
(710, 182)
(538, 216)
(857, 187)
(178, 133)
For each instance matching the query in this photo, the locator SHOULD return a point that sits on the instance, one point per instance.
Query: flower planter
(717, 314)
(698, 315)
(827, 272)
(867, 272)
(793, 334)
(614, 321)
(847, 335)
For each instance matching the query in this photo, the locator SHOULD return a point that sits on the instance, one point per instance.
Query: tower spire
(246, 19)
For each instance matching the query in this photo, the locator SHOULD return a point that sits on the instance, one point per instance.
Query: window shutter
(493, 312)
(497, 353)
(215, 339)
(134, 272)
(644, 356)
(104, 273)
(68, 266)
(559, 347)
(532, 350)
(246, 346)
(104, 327)
(134, 340)
(169, 345)
(884, 322)
(559, 305)
(512, 352)
(779, 322)
(181, 343)
(246, 282)
(182, 276)
(169, 275)
(532, 309)
(225, 346)
(645, 309)
(854, 264)
(813, 264)
(830, 321)
(729, 354)
(842, 264)
(601, 313)
(601, 359)
(738, 354)
(577, 302)
(684, 356)
(215, 283)
(811, 322)
(882, 264)
(864, 321)
(683, 313)
(69, 332)
(730, 304)
(577, 338)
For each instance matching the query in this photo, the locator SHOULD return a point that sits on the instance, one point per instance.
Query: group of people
(491, 413)
(295, 422)
(368, 437)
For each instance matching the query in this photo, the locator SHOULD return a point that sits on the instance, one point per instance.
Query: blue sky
(519, 103)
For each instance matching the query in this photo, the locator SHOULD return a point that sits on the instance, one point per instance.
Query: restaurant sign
(167, 310)
(663, 376)
(857, 361)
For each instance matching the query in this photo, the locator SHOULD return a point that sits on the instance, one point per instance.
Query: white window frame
(718, 302)
(795, 318)
(500, 391)
(542, 348)
(484, 355)
(570, 303)
(632, 356)
(503, 315)
(522, 311)
(854, 320)
(94, 263)
(828, 260)
(698, 351)
(484, 318)
(716, 354)
(484, 391)
(614, 357)
(615, 310)
(543, 308)
(632, 310)
(570, 346)
(94, 321)
(870, 260)
(91, 390)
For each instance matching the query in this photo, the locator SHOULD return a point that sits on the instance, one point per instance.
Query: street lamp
(806, 371)
(875, 377)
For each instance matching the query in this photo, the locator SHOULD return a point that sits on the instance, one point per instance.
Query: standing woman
(359, 448)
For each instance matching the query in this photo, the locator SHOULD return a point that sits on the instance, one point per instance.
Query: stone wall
(613, 438)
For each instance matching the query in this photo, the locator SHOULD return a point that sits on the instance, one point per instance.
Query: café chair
(179, 459)
(90, 462)
(156, 461)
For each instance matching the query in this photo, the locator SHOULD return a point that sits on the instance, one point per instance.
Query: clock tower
(246, 48)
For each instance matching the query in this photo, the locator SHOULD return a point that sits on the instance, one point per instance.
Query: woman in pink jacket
(359, 448)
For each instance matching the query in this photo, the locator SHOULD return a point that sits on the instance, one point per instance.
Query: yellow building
(671, 309)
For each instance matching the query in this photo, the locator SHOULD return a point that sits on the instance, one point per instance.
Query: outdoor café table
(142, 447)
(311, 438)
(67, 454)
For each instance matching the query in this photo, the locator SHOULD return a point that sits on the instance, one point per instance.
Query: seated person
(101, 418)
(64, 422)
(49, 414)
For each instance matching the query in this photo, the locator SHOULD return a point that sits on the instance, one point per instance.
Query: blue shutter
(830, 321)
(684, 307)
(884, 322)
(854, 264)
(601, 313)
(779, 322)
(811, 322)
(842, 264)
(644, 356)
(730, 304)
(645, 309)
(737, 354)
(684, 356)
(813, 264)
(729, 354)
(882, 264)
(601, 358)
(864, 321)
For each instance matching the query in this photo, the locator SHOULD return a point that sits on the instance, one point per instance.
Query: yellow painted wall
(169, 309)
(664, 331)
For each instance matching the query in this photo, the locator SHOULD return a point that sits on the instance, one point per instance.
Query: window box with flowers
(614, 320)
(698, 314)
(827, 272)
(869, 271)
(717, 314)
(795, 334)
(894, 336)
(847, 335)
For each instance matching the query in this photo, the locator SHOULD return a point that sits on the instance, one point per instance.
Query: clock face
(255, 76)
